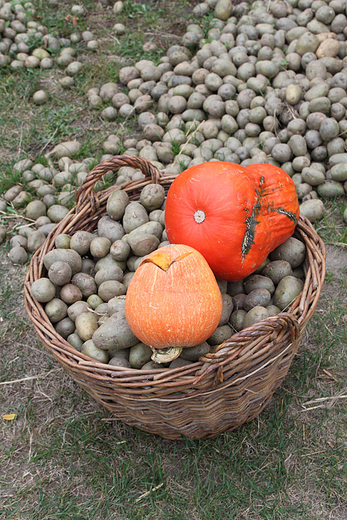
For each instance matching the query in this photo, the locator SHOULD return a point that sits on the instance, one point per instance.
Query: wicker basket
(219, 392)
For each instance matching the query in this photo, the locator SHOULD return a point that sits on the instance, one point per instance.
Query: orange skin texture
(173, 299)
(249, 211)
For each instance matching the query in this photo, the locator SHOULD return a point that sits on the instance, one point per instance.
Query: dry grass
(59, 458)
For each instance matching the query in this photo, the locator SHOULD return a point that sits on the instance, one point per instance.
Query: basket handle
(86, 190)
(272, 328)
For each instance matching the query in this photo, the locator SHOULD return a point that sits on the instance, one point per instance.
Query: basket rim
(89, 206)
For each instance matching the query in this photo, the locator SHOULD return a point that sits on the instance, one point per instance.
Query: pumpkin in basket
(173, 299)
(235, 216)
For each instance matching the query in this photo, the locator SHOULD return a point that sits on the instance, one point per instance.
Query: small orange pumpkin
(173, 299)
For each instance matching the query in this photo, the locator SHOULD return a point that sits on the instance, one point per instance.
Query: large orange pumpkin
(173, 299)
(235, 216)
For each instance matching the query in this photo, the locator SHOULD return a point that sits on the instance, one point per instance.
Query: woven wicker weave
(201, 400)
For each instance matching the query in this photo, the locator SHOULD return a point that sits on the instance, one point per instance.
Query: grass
(144, 14)
(59, 20)
(64, 456)
(131, 49)
(332, 227)
(56, 119)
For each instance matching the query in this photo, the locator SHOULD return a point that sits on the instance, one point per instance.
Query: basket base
(206, 415)
(171, 434)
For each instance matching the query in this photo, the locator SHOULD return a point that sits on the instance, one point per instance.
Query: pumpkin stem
(199, 216)
(163, 261)
(165, 355)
